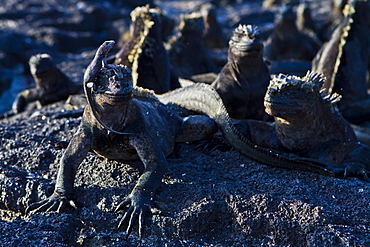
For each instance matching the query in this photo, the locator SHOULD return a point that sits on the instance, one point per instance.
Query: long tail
(203, 98)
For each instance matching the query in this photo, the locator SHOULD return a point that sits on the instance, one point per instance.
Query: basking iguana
(52, 85)
(145, 53)
(243, 81)
(125, 123)
(187, 51)
(214, 37)
(287, 41)
(344, 59)
(308, 134)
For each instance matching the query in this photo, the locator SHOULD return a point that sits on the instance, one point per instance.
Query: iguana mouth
(281, 108)
(114, 82)
(117, 95)
(249, 47)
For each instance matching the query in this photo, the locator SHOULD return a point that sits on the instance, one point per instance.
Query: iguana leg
(195, 128)
(23, 98)
(356, 163)
(73, 156)
(139, 200)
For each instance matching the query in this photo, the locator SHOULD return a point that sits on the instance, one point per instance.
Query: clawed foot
(137, 204)
(56, 202)
(352, 170)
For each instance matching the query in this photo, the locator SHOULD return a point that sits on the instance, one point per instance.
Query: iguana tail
(203, 98)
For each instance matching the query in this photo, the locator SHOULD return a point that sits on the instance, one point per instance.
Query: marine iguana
(52, 85)
(287, 42)
(145, 53)
(308, 134)
(345, 60)
(126, 123)
(243, 81)
(308, 123)
(213, 35)
(335, 17)
(304, 19)
(187, 52)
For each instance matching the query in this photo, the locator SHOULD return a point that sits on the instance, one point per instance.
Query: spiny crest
(247, 29)
(145, 13)
(310, 82)
(348, 12)
(349, 8)
(148, 24)
(333, 99)
(140, 12)
(192, 22)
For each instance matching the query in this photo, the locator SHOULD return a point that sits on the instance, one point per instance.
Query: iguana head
(246, 40)
(285, 19)
(40, 63)
(114, 81)
(140, 17)
(289, 96)
(107, 84)
(43, 71)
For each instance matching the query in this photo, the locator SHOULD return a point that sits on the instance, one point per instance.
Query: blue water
(18, 84)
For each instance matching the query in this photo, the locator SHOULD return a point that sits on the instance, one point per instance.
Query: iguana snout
(246, 39)
(114, 81)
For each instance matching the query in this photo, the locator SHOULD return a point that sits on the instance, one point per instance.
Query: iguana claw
(56, 202)
(139, 205)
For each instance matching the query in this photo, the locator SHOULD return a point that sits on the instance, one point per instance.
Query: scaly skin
(309, 124)
(204, 98)
(308, 133)
(150, 130)
(345, 60)
(243, 81)
(145, 53)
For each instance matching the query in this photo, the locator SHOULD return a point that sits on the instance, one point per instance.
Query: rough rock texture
(208, 198)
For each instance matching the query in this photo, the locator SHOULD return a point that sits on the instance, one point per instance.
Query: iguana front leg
(73, 156)
(139, 200)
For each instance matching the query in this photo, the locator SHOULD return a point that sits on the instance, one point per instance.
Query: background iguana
(345, 58)
(187, 51)
(243, 81)
(145, 53)
(287, 41)
(52, 85)
(125, 123)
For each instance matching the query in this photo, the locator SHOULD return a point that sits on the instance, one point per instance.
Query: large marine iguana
(308, 134)
(345, 59)
(52, 85)
(308, 123)
(243, 81)
(125, 123)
